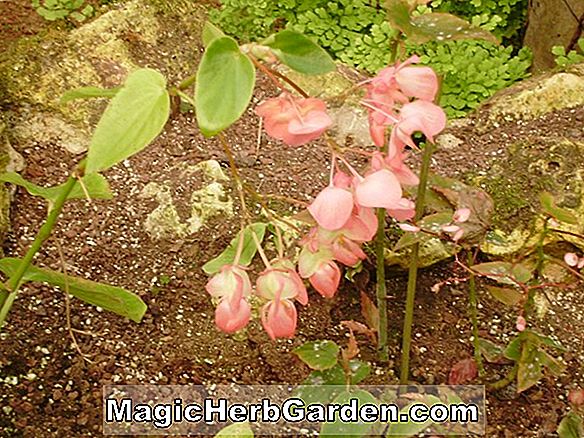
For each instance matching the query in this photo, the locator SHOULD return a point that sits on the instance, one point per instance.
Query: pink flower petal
(279, 318)
(571, 259)
(403, 211)
(419, 82)
(461, 215)
(409, 228)
(380, 189)
(332, 208)
(423, 116)
(230, 318)
(326, 279)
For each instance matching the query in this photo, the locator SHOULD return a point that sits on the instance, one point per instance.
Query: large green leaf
(435, 26)
(224, 86)
(133, 118)
(210, 33)
(341, 428)
(506, 295)
(318, 355)
(504, 272)
(300, 53)
(96, 185)
(247, 254)
(114, 299)
(529, 367)
(322, 386)
(88, 93)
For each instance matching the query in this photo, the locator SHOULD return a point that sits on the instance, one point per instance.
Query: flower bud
(279, 318)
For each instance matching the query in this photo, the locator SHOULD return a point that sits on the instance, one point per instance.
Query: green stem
(187, 82)
(472, 304)
(381, 292)
(499, 384)
(413, 271)
(15, 281)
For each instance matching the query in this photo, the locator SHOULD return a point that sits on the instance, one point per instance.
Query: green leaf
(513, 350)
(210, 33)
(503, 272)
(438, 26)
(133, 118)
(529, 367)
(548, 204)
(318, 355)
(506, 295)
(340, 428)
(322, 386)
(236, 430)
(224, 86)
(88, 93)
(359, 370)
(492, 352)
(300, 53)
(247, 254)
(571, 426)
(114, 299)
(96, 185)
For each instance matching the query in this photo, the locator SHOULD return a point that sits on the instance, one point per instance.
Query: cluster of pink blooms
(573, 260)
(401, 98)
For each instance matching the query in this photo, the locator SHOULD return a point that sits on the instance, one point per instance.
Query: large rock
(35, 72)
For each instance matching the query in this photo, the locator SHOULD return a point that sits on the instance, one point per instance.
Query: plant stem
(381, 292)
(472, 306)
(15, 281)
(413, 271)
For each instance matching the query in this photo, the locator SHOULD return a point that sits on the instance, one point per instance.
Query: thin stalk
(187, 82)
(381, 291)
(413, 271)
(472, 307)
(15, 281)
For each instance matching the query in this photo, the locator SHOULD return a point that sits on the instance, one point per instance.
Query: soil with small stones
(49, 389)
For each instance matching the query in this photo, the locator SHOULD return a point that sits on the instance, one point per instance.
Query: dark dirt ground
(54, 392)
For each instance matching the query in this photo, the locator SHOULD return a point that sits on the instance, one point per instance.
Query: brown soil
(57, 393)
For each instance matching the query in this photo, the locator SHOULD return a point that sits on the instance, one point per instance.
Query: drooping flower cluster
(400, 98)
(279, 285)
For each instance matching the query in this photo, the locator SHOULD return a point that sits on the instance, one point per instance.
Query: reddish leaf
(352, 349)
(369, 312)
(362, 329)
(463, 372)
(576, 397)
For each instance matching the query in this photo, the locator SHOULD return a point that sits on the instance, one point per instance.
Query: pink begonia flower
(400, 169)
(521, 323)
(332, 208)
(396, 85)
(326, 279)
(232, 315)
(380, 189)
(418, 82)
(232, 286)
(347, 252)
(295, 121)
(581, 263)
(416, 116)
(281, 283)
(571, 259)
(403, 211)
(279, 318)
(310, 259)
(231, 280)
(362, 225)
(461, 215)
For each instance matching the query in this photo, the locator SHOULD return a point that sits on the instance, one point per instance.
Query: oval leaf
(247, 254)
(300, 53)
(114, 299)
(318, 355)
(438, 26)
(356, 429)
(224, 86)
(210, 33)
(134, 117)
(506, 295)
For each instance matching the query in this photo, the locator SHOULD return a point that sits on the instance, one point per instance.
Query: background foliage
(357, 33)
